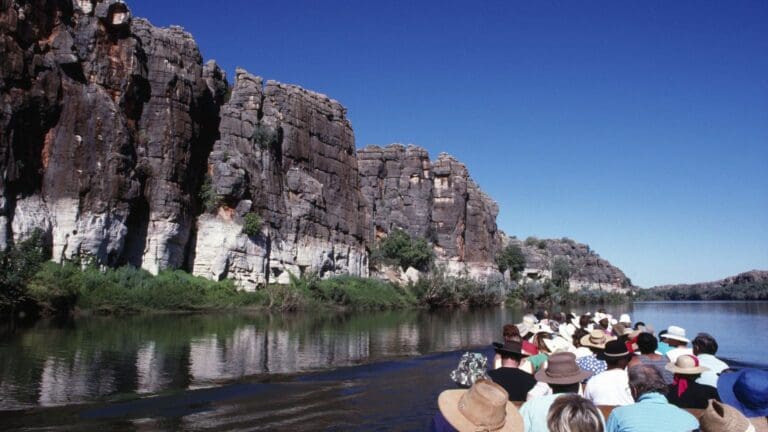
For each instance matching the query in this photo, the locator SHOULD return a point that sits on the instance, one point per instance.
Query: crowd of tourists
(595, 373)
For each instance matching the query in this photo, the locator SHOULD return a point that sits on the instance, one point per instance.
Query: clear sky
(640, 128)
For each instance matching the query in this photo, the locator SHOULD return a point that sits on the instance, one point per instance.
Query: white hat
(558, 344)
(676, 333)
(624, 318)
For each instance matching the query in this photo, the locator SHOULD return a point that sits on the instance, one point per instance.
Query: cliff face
(587, 269)
(104, 128)
(288, 156)
(122, 147)
(436, 200)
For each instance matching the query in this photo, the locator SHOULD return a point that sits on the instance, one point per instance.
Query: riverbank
(63, 289)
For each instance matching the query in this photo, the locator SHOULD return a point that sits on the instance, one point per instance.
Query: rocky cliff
(105, 127)
(436, 200)
(287, 155)
(122, 146)
(587, 269)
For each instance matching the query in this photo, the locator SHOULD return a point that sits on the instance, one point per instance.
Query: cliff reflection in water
(107, 358)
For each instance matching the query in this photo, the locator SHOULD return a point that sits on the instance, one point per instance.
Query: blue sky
(640, 128)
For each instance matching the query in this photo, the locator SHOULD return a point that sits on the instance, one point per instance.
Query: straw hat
(562, 369)
(686, 364)
(596, 339)
(484, 407)
(676, 333)
(719, 417)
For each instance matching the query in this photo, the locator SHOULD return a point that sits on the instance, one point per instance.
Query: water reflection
(95, 359)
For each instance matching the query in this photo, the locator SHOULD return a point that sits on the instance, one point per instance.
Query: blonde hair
(573, 413)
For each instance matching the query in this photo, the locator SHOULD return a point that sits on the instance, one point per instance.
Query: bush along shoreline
(32, 285)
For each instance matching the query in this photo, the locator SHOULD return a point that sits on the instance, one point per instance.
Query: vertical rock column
(286, 155)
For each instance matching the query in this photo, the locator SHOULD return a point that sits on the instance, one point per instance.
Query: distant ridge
(750, 285)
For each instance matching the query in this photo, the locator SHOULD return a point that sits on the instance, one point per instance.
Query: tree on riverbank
(18, 265)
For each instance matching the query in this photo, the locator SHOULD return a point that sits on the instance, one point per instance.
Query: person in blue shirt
(651, 411)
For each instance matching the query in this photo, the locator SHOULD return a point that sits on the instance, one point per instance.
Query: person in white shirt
(675, 337)
(612, 386)
(705, 348)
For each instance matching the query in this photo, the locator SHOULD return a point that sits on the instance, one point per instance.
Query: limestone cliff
(436, 200)
(123, 147)
(587, 269)
(287, 155)
(105, 125)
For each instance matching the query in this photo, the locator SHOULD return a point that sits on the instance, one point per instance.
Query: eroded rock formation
(122, 147)
(587, 269)
(105, 127)
(436, 200)
(287, 155)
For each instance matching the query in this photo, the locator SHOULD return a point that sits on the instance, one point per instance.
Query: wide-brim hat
(557, 344)
(525, 328)
(484, 406)
(562, 369)
(514, 348)
(719, 417)
(686, 365)
(596, 339)
(676, 333)
(745, 390)
(616, 349)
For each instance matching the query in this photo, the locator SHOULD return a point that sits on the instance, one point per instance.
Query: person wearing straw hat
(595, 341)
(675, 338)
(483, 407)
(611, 387)
(719, 417)
(747, 391)
(563, 376)
(684, 391)
(651, 412)
(514, 380)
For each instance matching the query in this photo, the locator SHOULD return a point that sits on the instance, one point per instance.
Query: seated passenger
(611, 387)
(685, 392)
(573, 413)
(651, 412)
(483, 407)
(514, 380)
(563, 376)
(705, 348)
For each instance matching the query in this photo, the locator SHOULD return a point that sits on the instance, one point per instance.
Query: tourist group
(595, 373)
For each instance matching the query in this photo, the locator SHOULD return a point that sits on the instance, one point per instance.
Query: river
(261, 371)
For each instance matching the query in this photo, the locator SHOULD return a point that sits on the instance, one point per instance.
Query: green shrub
(18, 265)
(210, 199)
(400, 249)
(265, 136)
(441, 290)
(59, 288)
(361, 293)
(512, 258)
(252, 224)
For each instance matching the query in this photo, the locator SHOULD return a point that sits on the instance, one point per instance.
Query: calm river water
(314, 371)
